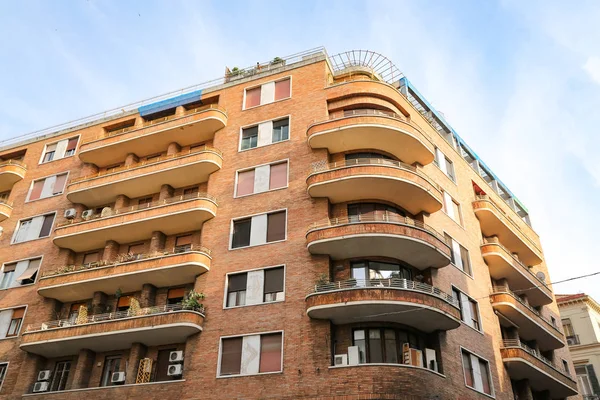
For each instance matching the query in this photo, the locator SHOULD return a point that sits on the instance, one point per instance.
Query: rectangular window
(452, 208)
(8, 275)
(47, 187)
(251, 354)
(3, 370)
(477, 373)
(259, 229)
(460, 255)
(175, 296)
(183, 244)
(255, 287)
(90, 258)
(445, 164)
(469, 309)
(61, 149)
(262, 179)
(191, 193)
(268, 93)
(60, 376)
(583, 379)
(16, 321)
(33, 228)
(265, 133)
(111, 365)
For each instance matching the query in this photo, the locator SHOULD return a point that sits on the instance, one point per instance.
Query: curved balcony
(377, 130)
(194, 126)
(137, 180)
(384, 300)
(367, 179)
(161, 269)
(380, 235)
(503, 265)
(152, 326)
(11, 172)
(523, 362)
(130, 224)
(494, 222)
(5, 210)
(531, 324)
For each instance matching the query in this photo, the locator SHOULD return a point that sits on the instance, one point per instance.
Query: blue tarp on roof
(170, 103)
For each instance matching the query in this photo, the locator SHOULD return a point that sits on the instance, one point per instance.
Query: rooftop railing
(385, 283)
(516, 343)
(384, 217)
(106, 317)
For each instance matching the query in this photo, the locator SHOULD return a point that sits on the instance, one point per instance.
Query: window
(460, 255)
(74, 311)
(445, 164)
(3, 370)
(259, 229)
(61, 149)
(374, 212)
(583, 379)
(175, 296)
(60, 376)
(370, 273)
(90, 258)
(267, 93)
(452, 208)
(162, 365)
(19, 273)
(390, 346)
(123, 303)
(255, 287)
(262, 179)
(33, 228)
(136, 249)
(10, 322)
(111, 365)
(145, 202)
(477, 373)
(47, 187)
(251, 354)
(366, 157)
(469, 309)
(191, 193)
(565, 365)
(183, 244)
(265, 133)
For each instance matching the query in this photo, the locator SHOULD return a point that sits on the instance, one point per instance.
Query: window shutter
(124, 301)
(183, 240)
(278, 176)
(18, 313)
(175, 293)
(270, 353)
(237, 282)
(36, 191)
(59, 185)
(282, 89)
(231, 356)
(593, 378)
(245, 183)
(252, 97)
(91, 257)
(72, 144)
(47, 225)
(274, 280)
(9, 267)
(276, 226)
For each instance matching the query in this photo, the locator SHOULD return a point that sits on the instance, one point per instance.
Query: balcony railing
(379, 218)
(13, 162)
(394, 283)
(505, 289)
(125, 258)
(512, 343)
(516, 262)
(113, 316)
(138, 207)
(146, 162)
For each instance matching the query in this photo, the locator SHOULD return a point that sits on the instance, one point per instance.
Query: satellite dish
(541, 276)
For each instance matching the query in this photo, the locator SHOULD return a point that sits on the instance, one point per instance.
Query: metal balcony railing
(383, 217)
(106, 317)
(392, 283)
(516, 343)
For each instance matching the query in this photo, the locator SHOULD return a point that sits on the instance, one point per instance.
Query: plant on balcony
(191, 301)
(234, 71)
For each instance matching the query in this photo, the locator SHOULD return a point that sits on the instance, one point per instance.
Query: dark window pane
(391, 349)
(281, 130)
(231, 356)
(274, 280)
(276, 226)
(485, 377)
(249, 137)
(47, 225)
(241, 233)
(375, 348)
(237, 282)
(360, 341)
(468, 369)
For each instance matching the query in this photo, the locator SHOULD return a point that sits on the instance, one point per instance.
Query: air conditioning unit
(44, 375)
(175, 369)
(353, 355)
(40, 387)
(118, 377)
(431, 359)
(70, 213)
(340, 359)
(176, 356)
(87, 214)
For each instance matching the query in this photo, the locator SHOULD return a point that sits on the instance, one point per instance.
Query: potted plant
(192, 301)
(277, 62)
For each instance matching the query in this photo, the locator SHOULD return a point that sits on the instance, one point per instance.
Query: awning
(28, 273)
(173, 102)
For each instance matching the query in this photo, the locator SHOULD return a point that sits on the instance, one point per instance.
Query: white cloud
(592, 67)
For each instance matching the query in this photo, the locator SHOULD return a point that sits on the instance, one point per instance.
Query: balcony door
(376, 273)
(374, 212)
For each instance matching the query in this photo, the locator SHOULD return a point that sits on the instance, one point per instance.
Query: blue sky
(520, 81)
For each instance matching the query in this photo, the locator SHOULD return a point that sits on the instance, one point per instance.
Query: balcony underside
(494, 224)
(412, 245)
(153, 330)
(420, 311)
(530, 327)
(135, 226)
(172, 270)
(9, 175)
(143, 181)
(152, 139)
(372, 132)
(398, 186)
(5, 211)
(540, 376)
(502, 265)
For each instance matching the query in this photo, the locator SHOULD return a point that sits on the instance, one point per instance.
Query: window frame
(288, 116)
(237, 172)
(7, 363)
(12, 240)
(233, 220)
(25, 306)
(27, 200)
(41, 160)
(218, 374)
(470, 275)
(226, 292)
(282, 78)
(489, 370)
(479, 319)
(460, 221)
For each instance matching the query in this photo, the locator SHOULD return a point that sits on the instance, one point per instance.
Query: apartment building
(580, 316)
(310, 227)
